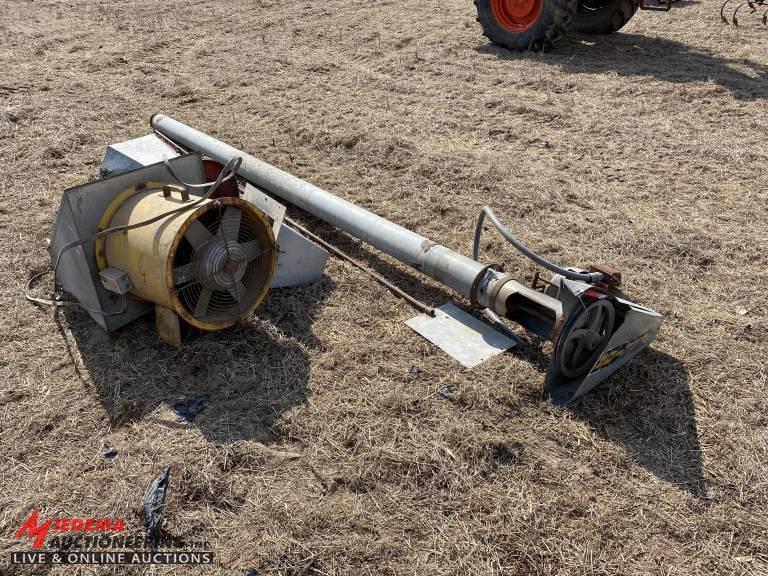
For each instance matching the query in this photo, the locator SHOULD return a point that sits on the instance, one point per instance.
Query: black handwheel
(525, 24)
(584, 339)
(603, 16)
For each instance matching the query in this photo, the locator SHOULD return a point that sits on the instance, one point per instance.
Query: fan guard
(223, 264)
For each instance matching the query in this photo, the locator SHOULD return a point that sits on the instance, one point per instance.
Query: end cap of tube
(156, 118)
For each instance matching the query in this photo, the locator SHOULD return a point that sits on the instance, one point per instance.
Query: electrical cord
(489, 314)
(218, 181)
(591, 277)
(227, 173)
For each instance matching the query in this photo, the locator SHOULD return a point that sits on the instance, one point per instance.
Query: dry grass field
(319, 451)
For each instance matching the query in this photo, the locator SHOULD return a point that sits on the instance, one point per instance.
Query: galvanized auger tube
(444, 265)
(572, 370)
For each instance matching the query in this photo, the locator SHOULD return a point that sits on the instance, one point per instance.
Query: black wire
(591, 277)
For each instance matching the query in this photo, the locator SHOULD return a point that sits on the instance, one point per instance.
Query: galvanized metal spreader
(594, 330)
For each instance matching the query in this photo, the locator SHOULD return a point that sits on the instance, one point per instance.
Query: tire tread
(554, 23)
(612, 17)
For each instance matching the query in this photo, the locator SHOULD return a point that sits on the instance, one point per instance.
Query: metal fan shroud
(212, 265)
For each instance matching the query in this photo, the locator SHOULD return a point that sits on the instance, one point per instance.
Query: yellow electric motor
(210, 265)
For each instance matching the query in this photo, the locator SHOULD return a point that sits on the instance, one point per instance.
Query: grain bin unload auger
(594, 330)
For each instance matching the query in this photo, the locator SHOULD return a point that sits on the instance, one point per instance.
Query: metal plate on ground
(462, 336)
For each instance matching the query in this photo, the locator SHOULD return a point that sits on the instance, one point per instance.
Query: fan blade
(197, 234)
(252, 250)
(230, 224)
(184, 274)
(202, 303)
(239, 292)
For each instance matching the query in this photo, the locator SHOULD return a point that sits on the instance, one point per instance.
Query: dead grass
(320, 453)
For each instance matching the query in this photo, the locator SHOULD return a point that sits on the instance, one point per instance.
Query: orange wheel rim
(516, 15)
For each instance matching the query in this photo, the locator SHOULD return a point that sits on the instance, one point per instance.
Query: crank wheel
(583, 341)
(516, 15)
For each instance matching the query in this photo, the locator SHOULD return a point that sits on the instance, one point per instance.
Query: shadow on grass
(647, 408)
(635, 55)
(252, 373)
(258, 371)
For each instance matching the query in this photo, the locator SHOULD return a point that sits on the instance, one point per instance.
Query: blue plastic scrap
(186, 410)
(154, 503)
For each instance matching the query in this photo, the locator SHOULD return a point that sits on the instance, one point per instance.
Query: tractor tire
(603, 16)
(525, 25)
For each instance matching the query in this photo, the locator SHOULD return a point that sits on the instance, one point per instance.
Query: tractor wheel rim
(516, 15)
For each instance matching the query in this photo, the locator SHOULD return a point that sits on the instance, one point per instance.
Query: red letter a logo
(37, 532)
